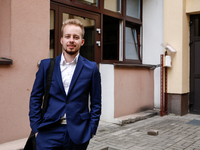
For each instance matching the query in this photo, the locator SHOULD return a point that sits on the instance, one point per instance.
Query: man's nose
(71, 39)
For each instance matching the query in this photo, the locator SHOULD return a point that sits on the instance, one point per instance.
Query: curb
(136, 117)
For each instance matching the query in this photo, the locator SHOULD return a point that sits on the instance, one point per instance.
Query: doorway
(91, 21)
(195, 64)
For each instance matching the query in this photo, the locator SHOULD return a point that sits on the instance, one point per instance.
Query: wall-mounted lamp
(168, 48)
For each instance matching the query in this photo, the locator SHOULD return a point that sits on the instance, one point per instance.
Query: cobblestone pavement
(175, 133)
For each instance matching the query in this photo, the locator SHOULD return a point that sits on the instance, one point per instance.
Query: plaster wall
(186, 51)
(134, 90)
(179, 19)
(176, 33)
(193, 6)
(26, 43)
(5, 24)
(152, 40)
(107, 82)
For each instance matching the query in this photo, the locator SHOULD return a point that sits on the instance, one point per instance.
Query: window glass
(131, 44)
(113, 5)
(90, 2)
(196, 27)
(133, 8)
(88, 49)
(121, 40)
(52, 34)
(110, 38)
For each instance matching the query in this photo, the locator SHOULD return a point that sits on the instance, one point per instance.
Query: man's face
(72, 39)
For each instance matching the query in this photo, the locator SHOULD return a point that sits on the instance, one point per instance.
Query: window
(113, 5)
(197, 27)
(52, 34)
(87, 50)
(89, 2)
(131, 49)
(121, 32)
(133, 8)
(131, 43)
(110, 38)
(112, 28)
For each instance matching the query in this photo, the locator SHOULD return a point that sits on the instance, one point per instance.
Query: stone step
(136, 117)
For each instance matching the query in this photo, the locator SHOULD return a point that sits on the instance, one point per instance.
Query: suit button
(67, 102)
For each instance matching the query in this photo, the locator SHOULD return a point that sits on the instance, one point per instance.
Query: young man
(68, 123)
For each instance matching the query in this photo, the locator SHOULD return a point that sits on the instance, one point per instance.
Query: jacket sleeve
(36, 99)
(95, 95)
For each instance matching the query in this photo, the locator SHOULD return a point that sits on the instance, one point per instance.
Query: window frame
(127, 21)
(120, 16)
(118, 34)
(137, 27)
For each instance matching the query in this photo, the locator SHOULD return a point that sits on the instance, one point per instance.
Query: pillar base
(178, 104)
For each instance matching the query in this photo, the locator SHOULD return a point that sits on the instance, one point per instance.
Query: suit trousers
(57, 138)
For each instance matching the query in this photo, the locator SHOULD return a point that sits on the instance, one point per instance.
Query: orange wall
(134, 90)
(25, 39)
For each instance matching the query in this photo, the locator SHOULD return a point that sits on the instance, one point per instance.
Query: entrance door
(195, 64)
(91, 21)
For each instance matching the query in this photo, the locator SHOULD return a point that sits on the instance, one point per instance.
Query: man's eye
(76, 37)
(67, 36)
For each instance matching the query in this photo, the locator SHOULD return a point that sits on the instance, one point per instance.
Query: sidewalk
(174, 133)
(14, 145)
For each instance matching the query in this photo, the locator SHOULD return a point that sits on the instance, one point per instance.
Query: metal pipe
(161, 85)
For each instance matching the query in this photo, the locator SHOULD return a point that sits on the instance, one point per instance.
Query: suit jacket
(82, 120)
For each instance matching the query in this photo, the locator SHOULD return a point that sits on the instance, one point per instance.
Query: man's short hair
(73, 22)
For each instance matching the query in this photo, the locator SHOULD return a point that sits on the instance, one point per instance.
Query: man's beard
(71, 52)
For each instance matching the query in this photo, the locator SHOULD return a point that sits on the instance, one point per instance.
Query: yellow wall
(173, 27)
(193, 6)
(185, 51)
(177, 33)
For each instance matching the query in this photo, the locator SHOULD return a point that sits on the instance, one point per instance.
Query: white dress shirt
(67, 71)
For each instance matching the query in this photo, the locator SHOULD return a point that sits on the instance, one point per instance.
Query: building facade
(123, 37)
(181, 31)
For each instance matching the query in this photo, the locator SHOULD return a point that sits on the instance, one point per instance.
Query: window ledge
(5, 61)
(135, 65)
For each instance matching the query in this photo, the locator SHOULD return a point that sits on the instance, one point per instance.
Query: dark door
(91, 21)
(195, 64)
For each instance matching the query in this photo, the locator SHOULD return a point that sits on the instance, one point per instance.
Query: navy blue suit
(82, 121)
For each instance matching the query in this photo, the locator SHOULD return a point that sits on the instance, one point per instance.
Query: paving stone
(174, 134)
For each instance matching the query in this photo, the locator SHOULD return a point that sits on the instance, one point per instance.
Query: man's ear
(61, 40)
(83, 41)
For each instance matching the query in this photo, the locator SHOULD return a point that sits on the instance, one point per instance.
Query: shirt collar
(63, 62)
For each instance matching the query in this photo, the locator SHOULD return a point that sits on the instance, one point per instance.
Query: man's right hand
(36, 134)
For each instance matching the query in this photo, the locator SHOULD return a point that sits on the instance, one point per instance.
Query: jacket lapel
(58, 73)
(77, 72)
